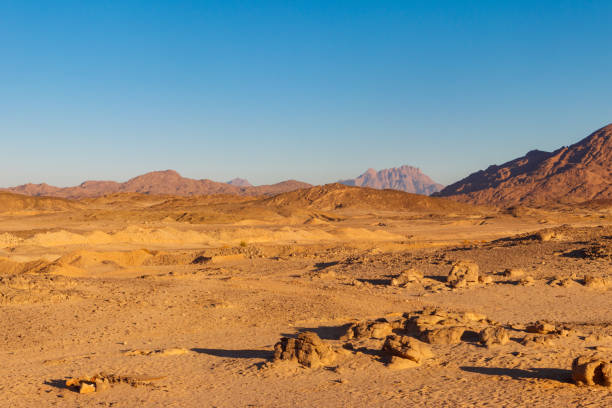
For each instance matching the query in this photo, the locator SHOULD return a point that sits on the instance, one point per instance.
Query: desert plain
(383, 298)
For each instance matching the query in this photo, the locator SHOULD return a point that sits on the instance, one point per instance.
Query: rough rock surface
(463, 273)
(406, 277)
(445, 335)
(379, 329)
(592, 371)
(406, 347)
(307, 349)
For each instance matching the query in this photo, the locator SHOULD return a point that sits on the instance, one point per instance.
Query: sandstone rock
(444, 336)
(307, 349)
(87, 388)
(406, 277)
(463, 273)
(408, 348)
(527, 281)
(592, 371)
(494, 335)
(377, 329)
(541, 328)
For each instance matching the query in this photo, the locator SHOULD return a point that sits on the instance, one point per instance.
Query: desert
(323, 204)
(325, 296)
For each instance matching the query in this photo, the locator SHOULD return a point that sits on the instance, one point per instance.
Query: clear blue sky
(315, 91)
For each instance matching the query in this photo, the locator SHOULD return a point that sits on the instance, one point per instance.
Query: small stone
(87, 388)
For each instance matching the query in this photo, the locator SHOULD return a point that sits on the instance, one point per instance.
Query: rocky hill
(577, 173)
(339, 196)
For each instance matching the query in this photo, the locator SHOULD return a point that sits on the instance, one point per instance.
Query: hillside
(167, 182)
(338, 196)
(578, 173)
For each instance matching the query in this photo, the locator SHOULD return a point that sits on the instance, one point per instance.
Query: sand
(187, 312)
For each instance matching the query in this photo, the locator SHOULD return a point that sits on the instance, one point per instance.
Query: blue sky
(315, 91)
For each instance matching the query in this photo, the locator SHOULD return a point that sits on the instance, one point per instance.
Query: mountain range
(157, 182)
(170, 182)
(577, 173)
(405, 178)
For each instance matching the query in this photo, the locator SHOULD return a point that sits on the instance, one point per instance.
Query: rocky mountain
(577, 173)
(157, 182)
(405, 178)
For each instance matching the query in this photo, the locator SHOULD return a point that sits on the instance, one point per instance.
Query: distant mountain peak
(405, 178)
(239, 182)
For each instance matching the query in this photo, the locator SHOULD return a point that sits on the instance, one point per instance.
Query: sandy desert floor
(183, 303)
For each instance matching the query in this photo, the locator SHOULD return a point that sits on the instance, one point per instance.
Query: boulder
(462, 274)
(592, 371)
(406, 277)
(408, 348)
(307, 349)
(378, 329)
(443, 336)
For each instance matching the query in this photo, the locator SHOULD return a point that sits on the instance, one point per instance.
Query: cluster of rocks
(589, 281)
(598, 251)
(407, 341)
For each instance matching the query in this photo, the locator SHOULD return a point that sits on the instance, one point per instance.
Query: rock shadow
(324, 332)
(59, 384)
(555, 374)
(324, 265)
(376, 282)
(441, 279)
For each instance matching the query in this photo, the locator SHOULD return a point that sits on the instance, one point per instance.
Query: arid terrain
(382, 298)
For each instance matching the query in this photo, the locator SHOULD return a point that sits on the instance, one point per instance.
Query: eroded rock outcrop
(307, 349)
(405, 351)
(592, 371)
(462, 274)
